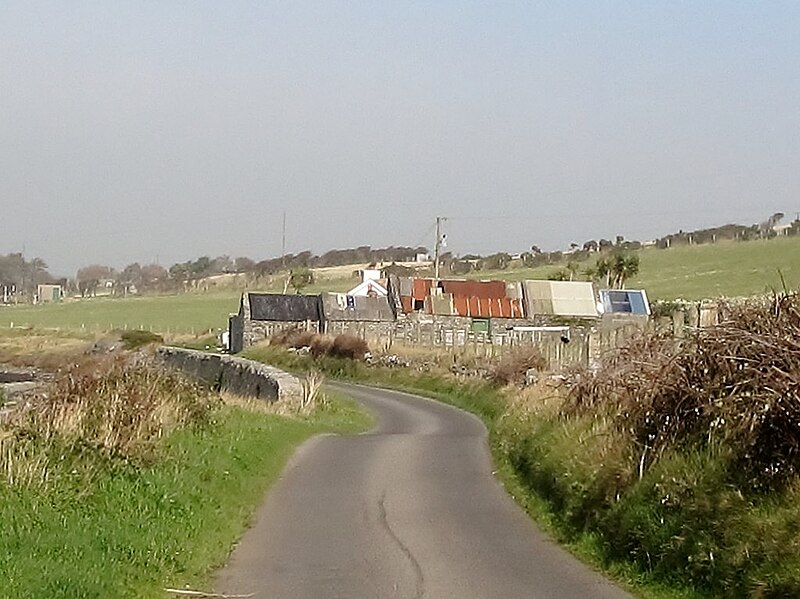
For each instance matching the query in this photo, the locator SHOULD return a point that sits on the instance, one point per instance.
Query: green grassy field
(188, 313)
(700, 271)
(689, 272)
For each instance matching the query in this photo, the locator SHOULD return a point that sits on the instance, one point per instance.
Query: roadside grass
(106, 523)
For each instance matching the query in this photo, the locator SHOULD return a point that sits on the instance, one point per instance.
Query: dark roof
(338, 306)
(284, 308)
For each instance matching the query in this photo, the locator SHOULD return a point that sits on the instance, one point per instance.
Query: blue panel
(638, 305)
(618, 301)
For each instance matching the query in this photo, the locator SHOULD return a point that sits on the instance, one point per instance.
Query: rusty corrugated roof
(422, 288)
(483, 289)
(488, 307)
(479, 299)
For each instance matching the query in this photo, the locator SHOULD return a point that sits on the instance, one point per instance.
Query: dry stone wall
(234, 375)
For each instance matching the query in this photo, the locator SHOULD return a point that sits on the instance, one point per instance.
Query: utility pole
(437, 247)
(283, 242)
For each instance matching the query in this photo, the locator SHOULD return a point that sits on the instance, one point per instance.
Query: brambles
(736, 384)
(348, 346)
(135, 339)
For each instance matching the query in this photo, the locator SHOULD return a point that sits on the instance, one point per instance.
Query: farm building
(49, 293)
(370, 318)
(370, 288)
(560, 298)
(624, 301)
(448, 297)
(261, 315)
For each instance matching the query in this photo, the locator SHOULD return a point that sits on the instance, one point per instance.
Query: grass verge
(105, 526)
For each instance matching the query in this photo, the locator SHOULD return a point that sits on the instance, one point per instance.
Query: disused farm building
(261, 315)
(449, 313)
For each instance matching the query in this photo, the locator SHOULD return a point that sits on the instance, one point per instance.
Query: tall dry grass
(114, 407)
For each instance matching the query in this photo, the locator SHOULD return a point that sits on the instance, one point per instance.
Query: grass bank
(87, 513)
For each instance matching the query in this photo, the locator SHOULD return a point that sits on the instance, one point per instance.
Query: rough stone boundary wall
(234, 375)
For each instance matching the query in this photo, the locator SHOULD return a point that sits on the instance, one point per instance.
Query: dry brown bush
(736, 385)
(348, 346)
(294, 337)
(321, 345)
(512, 367)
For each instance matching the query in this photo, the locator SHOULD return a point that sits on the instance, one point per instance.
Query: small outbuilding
(560, 298)
(261, 315)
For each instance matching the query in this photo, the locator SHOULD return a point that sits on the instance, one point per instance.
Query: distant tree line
(97, 278)
(731, 232)
(615, 262)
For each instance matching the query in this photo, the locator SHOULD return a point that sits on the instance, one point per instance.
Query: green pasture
(728, 269)
(190, 313)
(724, 269)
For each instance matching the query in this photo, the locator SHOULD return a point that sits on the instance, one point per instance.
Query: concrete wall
(234, 375)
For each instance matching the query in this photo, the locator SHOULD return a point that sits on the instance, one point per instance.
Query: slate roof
(338, 306)
(284, 308)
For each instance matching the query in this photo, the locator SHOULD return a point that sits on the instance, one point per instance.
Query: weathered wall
(378, 334)
(234, 375)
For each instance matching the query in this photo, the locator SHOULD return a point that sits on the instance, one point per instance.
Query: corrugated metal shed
(405, 286)
(284, 308)
(457, 297)
(560, 298)
(441, 305)
(338, 306)
(407, 303)
(625, 301)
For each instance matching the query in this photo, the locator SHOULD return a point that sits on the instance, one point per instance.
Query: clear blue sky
(136, 130)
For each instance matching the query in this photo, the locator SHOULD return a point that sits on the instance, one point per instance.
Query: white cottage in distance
(372, 284)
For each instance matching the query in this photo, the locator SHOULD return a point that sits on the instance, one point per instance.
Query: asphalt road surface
(410, 509)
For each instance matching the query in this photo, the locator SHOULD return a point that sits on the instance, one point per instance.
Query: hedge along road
(410, 509)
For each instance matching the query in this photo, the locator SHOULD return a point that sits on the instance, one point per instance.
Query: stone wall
(234, 375)
(377, 334)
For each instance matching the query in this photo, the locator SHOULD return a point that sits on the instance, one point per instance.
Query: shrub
(137, 338)
(514, 365)
(321, 345)
(348, 346)
(293, 337)
(734, 383)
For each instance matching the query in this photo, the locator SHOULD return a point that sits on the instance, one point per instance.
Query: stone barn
(370, 318)
(261, 315)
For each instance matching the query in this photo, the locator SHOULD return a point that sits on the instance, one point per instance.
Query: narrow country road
(409, 510)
